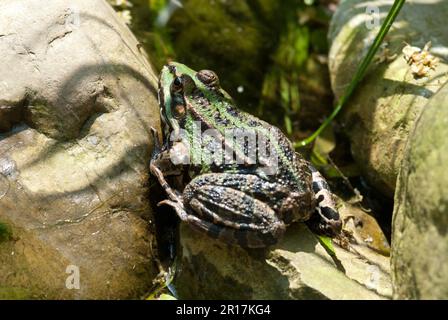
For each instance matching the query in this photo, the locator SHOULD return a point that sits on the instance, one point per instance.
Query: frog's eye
(209, 78)
(179, 111)
(177, 85)
(177, 81)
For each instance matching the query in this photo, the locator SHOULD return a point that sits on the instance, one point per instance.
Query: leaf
(288, 124)
(327, 244)
(324, 144)
(157, 5)
(165, 296)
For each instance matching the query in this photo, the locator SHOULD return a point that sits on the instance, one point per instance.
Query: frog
(246, 195)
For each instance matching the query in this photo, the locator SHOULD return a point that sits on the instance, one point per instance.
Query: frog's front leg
(162, 166)
(229, 214)
(175, 199)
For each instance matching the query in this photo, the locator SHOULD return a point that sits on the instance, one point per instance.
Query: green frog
(241, 180)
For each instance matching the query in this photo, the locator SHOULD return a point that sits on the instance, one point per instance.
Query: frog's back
(288, 166)
(275, 157)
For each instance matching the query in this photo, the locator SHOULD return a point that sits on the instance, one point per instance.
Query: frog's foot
(219, 208)
(326, 219)
(244, 238)
(155, 170)
(246, 235)
(178, 207)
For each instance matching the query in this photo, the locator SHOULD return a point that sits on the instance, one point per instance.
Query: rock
(297, 267)
(383, 110)
(420, 221)
(77, 100)
(365, 230)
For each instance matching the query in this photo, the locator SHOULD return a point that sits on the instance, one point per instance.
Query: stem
(360, 72)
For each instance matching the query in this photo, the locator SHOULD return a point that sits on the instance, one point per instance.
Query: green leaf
(165, 296)
(324, 144)
(288, 124)
(327, 244)
(157, 5)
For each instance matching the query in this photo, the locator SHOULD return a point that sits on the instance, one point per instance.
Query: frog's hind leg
(326, 219)
(235, 235)
(229, 214)
(247, 235)
(242, 238)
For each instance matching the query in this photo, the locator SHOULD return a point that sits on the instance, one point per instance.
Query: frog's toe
(177, 206)
(243, 238)
(248, 234)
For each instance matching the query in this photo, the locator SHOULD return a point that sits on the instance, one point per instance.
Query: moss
(5, 232)
(14, 293)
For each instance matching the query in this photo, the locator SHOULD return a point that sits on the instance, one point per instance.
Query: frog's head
(182, 89)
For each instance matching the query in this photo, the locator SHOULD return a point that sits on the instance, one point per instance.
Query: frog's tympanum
(242, 181)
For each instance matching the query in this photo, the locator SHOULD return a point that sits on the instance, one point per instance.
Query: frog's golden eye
(177, 85)
(179, 111)
(209, 78)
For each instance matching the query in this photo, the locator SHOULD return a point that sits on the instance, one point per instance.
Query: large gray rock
(420, 221)
(381, 114)
(297, 267)
(77, 99)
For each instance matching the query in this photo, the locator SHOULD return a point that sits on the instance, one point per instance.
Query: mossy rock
(298, 267)
(77, 101)
(420, 221)
(380, 116)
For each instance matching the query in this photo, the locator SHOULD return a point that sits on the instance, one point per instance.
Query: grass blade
(360, 72)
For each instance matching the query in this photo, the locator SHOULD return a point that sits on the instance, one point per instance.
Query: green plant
(360, 72)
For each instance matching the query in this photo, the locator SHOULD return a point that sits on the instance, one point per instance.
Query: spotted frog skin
(243, 202)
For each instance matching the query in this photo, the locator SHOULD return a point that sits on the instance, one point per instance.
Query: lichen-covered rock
(381, 114)
(77, 99)
(420, 221)
(297, 267)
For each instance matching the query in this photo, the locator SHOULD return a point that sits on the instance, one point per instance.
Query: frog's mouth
(170, 127)
(174, 84)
